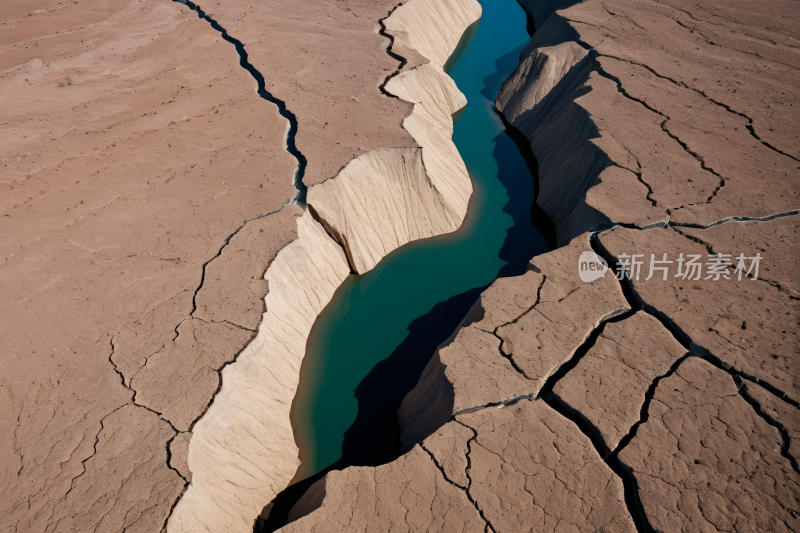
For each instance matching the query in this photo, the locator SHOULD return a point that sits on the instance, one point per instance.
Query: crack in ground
(219, 386)
(335, 237)
(469, 477)
(133, 402)
(94, 451)
(644, 411)
(641, 180)
(463, 489)
(742, 386)
(621, 470)
(664, 128)
(737, 219)
(638, 304)
(788, 292)
(403, 61)
(291, 135)
(701, 92)
(502, 352)
(173, 506)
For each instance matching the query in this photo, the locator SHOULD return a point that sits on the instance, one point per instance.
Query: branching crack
(469, 477)
(389, 51)
(666, 130)
(517, 319)
(701, 92)
(644, 412)
(637, 304)
(786, 440)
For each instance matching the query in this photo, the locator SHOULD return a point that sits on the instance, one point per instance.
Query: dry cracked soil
(143, 196)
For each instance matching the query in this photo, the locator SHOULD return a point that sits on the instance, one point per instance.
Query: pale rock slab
(242, 451)
(389, 197)
(705, 461)
(608, 385)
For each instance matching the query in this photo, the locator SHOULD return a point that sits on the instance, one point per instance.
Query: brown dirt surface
(776, 241)
(609, 383)
(747, 323)
(684, 114)
(326, 60)
(705, 461)
(410, 494)
(531, 469)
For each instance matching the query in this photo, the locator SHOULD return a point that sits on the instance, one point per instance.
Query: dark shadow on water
(374, 437)
(523, 241)
(463, 45)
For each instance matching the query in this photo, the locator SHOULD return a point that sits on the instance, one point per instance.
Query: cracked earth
(133, 265)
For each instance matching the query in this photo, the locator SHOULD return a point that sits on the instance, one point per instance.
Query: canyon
(162, 270)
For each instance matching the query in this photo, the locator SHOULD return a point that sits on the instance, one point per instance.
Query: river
(368, 347)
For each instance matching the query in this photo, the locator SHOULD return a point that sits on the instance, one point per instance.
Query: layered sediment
(676, 393)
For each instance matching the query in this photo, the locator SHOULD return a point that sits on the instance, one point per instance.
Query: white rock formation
(243, 453)
(429, 188)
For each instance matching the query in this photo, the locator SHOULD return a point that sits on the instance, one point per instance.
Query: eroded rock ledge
(660, 404)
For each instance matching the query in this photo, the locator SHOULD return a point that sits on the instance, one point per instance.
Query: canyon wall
(242, 452)
(663, 131)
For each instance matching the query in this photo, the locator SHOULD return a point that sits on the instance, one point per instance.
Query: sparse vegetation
(68, 82)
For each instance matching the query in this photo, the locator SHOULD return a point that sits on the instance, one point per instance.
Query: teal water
(370, 344)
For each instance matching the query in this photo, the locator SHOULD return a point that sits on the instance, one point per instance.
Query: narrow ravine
(367, 349)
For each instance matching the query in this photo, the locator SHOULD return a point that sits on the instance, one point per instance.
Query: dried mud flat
(138, 161)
